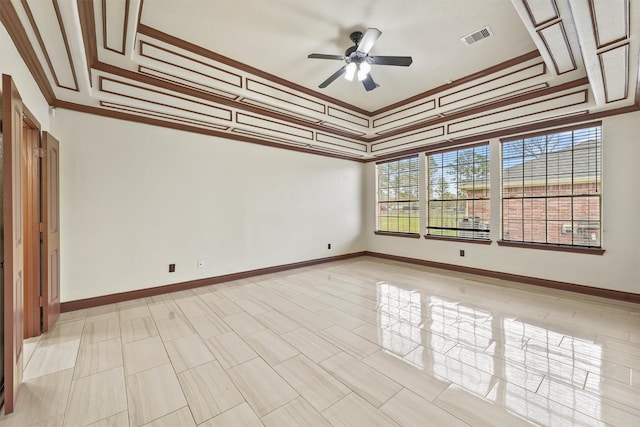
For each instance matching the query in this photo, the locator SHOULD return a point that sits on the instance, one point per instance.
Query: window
(398, 195)
(551, 189)
(458, 182)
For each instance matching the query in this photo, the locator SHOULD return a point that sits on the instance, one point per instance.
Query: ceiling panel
(239, 69)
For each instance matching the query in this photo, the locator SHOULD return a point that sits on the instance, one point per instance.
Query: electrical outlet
(461, 252)
(172, 268)
(200, 264)
(329, 246)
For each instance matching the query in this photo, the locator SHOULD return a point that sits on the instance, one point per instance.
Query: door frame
(31, 155)
(16, 177)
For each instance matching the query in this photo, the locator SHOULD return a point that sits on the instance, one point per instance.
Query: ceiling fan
(358, 62)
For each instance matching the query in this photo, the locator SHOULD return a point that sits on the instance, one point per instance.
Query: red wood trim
(331, 150)
(399, 135)
(145, 55)
(551, 247)
(395, 159)
(584, 100)
(427, 109)
(604, 74)
(541, 73)
(322, 106)
(279, 110)
(566, 42)
(532, 18)
(238, 121)
(498, 104)
(63, 31)
(43, 48)
(88, 28)
(173, 79)
(530, 127)
(448, 149)
(154, 81)
(198, 50)
(553, 130)
(553, 284)
(166, 116)
(175, 287)
(11, 21)
(480, 74)
(187, 128)
(594, 22)
(265, 137)
(498, 98)
(393, 234)
(331, 125)
(363, 147)
(331, 109)
(124, 30)
(419, 136)
(457, 239)
(221, 116)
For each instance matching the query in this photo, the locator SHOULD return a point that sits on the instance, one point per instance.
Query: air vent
(477, 36)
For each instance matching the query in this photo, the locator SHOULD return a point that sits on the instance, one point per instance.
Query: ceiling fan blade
(403, 61)
(333, 77)
(368, 40)
(323, 56)
(369, 84)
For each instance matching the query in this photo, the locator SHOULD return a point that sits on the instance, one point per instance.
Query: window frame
(554, 246)
(457, 200)
(418, 192)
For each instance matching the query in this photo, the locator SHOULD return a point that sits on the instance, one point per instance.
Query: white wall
(617, 269)
(135, 198)
(11, 63)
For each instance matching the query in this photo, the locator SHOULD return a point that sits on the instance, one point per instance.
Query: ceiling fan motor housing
(356, 36)
(357, 59)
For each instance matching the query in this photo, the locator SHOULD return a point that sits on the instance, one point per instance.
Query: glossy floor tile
(351, 343)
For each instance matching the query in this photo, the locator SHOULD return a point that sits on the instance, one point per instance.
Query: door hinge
(41, 302)
(42, 227)
(40, 152)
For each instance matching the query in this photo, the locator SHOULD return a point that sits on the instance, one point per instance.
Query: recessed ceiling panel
(115, 15)
(541, 11)
(555, 38)
(276, 36)
(611, 20)
(615, 65)
(47, 24)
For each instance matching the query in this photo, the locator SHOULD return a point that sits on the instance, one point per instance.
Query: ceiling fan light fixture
(357, 60)
(363, 70)
(350, 71)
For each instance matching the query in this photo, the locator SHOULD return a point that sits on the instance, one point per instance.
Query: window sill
(560, 248)
(390, 233)
(458, 239)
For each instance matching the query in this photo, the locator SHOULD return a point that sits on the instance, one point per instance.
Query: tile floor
(354, 343)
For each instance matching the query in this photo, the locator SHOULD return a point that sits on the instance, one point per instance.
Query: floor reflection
(541, 374)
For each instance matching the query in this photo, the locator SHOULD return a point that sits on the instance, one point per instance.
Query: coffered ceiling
(239, 68)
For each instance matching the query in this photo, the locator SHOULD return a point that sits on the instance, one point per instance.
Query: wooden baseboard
(150, 292)
(553, 284)
(158, 290)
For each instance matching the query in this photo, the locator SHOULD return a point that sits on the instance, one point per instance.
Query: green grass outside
(449, 219)
(402, 223)
(399, 224)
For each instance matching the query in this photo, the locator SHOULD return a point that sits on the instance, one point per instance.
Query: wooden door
(51, 235)
(12, 122)
(31, 229)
